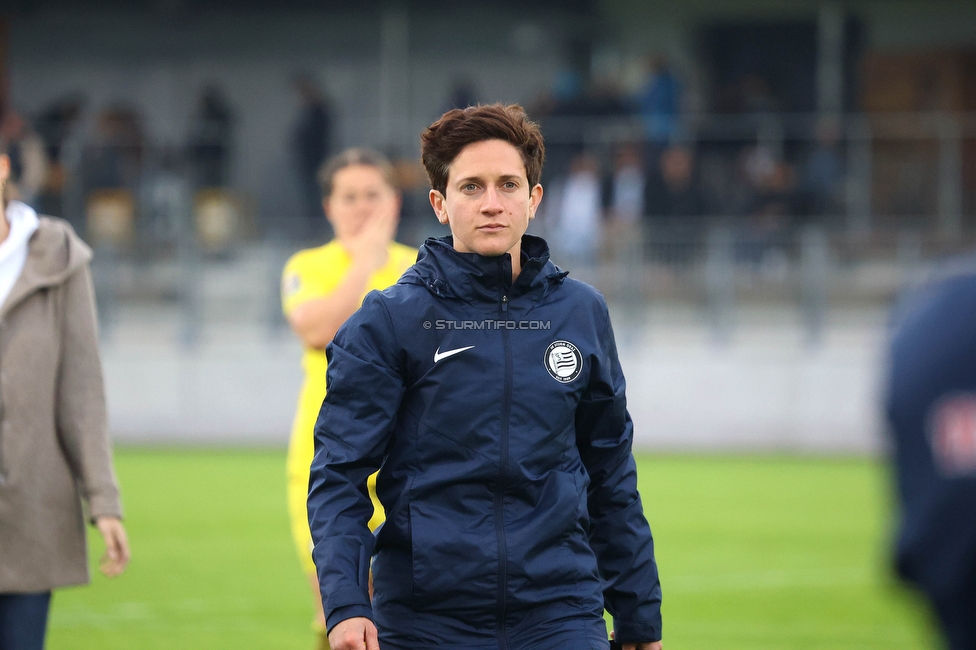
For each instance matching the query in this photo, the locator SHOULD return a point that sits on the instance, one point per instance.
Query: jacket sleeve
(363, 394)
(81, 420)
(619, 534)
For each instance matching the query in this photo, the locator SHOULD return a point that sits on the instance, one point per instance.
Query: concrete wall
(767, 389)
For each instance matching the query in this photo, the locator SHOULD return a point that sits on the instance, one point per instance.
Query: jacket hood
(448, 273)
(54, 253)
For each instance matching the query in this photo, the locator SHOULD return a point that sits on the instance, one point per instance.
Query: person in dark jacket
(312, 144)
(931, 410)
(485, 387)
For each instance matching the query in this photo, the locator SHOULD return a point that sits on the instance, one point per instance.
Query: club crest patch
(563, 361)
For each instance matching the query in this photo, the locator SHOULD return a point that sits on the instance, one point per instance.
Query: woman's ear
(325, 209)
(437, 202)
(535, 198)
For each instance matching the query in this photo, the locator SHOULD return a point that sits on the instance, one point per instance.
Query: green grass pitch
(754, 552)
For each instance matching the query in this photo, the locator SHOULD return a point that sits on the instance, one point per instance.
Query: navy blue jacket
(496, 413)
(931, 407)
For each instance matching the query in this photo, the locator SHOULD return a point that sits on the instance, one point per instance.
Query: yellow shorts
(300, 452)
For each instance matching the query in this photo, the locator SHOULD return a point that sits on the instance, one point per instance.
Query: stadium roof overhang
(188, 7)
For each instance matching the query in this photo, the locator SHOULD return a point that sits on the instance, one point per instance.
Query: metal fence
(891, 170)
(904, 197)
(717, 273)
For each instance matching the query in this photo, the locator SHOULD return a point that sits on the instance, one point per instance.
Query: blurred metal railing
(203, 257)
(898, 169)
(725, 270)
(718, 272)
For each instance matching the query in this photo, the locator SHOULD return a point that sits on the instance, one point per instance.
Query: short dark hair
(349, 158)
(443, 140)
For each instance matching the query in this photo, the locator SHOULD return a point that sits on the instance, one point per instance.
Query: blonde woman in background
(321, 288)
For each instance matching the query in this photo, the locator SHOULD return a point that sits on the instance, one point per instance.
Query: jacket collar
(448, 273)
(54, 253)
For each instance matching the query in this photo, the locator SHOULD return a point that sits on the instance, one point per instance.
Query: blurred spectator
(775, 198)
(931, 410)
(723, 191)
(312, 143)
(559, 111)
(166, 198)
(58, 127)
(823, 173)
(28, 161)
(623, 201)
(624, 193)
(660, 101)
(111, 176)
(569, 112)
(605, 99)
(579, 214)
(416, 222)
(773, 184)
(756, 96)
(672, 190)
(114, 156)
(758, 164)
(211, 136)
(462, 96)
(567, 87)
(750, 93)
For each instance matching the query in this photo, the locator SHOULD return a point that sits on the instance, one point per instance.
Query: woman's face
(359, 194)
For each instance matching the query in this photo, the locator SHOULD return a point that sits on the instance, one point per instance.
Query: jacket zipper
(500, 492)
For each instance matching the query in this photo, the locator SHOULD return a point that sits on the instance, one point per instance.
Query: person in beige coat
(54, 449)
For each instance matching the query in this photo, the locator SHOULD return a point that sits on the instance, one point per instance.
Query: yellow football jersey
(310, 274)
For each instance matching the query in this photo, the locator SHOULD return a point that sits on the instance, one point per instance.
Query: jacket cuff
(627, 632)
(340, 614)
(104, 506)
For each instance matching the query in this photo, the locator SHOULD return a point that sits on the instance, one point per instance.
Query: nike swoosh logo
(438, 355)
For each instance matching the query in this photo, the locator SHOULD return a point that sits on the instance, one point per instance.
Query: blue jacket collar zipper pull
(505, 303)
